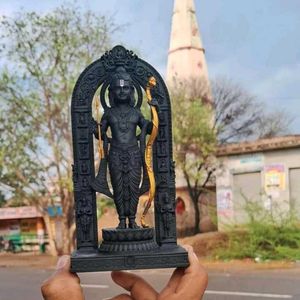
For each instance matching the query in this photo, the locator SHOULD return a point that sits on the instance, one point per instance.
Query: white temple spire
(186, 58)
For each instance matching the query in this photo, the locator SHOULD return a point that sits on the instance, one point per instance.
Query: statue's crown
(119, 57)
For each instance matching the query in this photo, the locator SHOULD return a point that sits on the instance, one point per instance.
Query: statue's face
(121, 90)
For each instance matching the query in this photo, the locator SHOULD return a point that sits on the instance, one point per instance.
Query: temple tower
(187, 70)
(186, 58)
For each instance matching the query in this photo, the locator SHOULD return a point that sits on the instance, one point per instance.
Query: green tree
(43, 56)
(194, 141)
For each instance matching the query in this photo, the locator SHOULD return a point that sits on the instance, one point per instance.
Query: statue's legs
(135, 178)
(117, 184)
(125, 170)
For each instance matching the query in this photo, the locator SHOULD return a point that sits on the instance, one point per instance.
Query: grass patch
(268, 235)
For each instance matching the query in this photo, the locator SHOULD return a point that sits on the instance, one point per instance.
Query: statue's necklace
(123, 120)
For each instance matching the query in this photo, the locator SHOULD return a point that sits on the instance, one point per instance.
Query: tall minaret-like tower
(186, 59)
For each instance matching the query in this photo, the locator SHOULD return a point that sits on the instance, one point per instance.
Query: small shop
(22, 229)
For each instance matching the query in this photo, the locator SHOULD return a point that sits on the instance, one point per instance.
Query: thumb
(63, 269)
(62, 284)
(63, 263)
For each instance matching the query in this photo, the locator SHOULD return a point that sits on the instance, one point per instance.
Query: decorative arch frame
(95, 75)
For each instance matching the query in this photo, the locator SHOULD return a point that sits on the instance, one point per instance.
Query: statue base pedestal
(162, 257)
(120, 240)
(128, 249)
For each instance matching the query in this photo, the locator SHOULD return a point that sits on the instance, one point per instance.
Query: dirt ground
(204, 243)
(28, 259)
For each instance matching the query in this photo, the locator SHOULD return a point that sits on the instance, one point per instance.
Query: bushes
(267, 235)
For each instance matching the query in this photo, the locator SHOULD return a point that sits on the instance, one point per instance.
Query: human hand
(62, 285)
(185, 283)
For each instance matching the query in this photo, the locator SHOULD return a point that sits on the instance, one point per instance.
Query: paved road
(23, 284)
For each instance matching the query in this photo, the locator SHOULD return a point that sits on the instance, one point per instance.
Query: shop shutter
(294, 183)
(246, 188)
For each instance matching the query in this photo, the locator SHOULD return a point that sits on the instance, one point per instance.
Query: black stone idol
(132, 164)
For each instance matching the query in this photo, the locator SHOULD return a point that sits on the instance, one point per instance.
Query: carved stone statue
(130, 165)
(126, 151)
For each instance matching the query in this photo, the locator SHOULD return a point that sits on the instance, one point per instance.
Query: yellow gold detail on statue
(148, 150)
(100, 146)
(143, 223)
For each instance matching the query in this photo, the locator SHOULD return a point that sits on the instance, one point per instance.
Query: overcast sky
(255, 43)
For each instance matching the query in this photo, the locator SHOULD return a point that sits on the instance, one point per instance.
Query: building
(24, 226)
(266, 170)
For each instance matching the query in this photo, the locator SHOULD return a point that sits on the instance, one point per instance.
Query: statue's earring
(132, 99)
(111, 98)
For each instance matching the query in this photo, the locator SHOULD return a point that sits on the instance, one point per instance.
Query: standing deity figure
(124, 150)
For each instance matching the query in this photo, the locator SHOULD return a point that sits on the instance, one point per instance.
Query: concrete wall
(271, 170)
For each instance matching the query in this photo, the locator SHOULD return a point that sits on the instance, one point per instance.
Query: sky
(254, 43)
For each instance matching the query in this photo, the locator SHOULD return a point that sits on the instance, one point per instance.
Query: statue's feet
(122, 224)
(133, 225)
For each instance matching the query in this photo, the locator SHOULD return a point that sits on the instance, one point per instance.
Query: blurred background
(232, 69)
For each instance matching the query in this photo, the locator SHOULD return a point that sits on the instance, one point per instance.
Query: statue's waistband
(125, 147)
